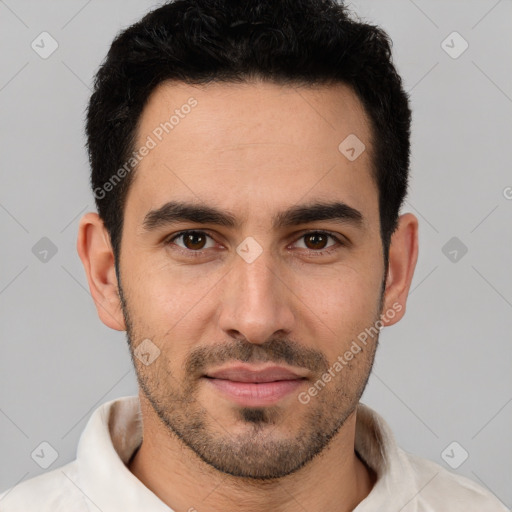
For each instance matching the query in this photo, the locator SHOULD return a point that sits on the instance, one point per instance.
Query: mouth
(253, 386)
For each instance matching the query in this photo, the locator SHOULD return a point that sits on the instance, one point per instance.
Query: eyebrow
(176, 211)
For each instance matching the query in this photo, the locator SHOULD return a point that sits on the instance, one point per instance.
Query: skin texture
(253, 150)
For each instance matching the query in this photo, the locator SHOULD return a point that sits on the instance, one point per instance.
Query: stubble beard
(261, 449)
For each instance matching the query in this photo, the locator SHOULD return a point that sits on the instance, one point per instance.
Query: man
(249, 161)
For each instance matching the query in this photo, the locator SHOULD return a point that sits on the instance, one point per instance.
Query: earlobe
(95, 251)
(403, 254)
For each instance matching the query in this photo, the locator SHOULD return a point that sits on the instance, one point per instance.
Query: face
(251, 260)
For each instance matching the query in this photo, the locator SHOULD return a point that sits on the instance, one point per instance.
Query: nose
(257, 302)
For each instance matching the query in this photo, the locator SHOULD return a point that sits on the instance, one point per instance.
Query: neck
(335, 480)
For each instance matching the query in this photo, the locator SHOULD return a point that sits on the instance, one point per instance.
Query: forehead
(255, 145)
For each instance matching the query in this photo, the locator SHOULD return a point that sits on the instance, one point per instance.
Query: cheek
(342, 303)
(345, 292)
(162, 290)
(170, 304)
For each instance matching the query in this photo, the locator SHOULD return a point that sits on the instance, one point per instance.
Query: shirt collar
(376, 445)
(112, 434)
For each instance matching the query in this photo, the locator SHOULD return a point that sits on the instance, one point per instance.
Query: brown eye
(316, 240)
(192, 240)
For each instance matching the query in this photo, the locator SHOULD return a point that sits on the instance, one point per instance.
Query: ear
(95, 251)
(403, 254)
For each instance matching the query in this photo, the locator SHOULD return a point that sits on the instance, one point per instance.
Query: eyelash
(199, 253)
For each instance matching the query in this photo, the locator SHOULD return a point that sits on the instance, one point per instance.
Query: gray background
(442, 374)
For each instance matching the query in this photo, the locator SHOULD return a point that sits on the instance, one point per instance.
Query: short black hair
(288, 42)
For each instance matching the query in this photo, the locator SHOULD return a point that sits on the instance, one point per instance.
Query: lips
(251, 386)
(246, 374)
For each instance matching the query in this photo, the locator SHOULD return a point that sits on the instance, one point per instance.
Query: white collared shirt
(98, 479)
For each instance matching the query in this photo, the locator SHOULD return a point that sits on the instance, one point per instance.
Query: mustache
(277, 351)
